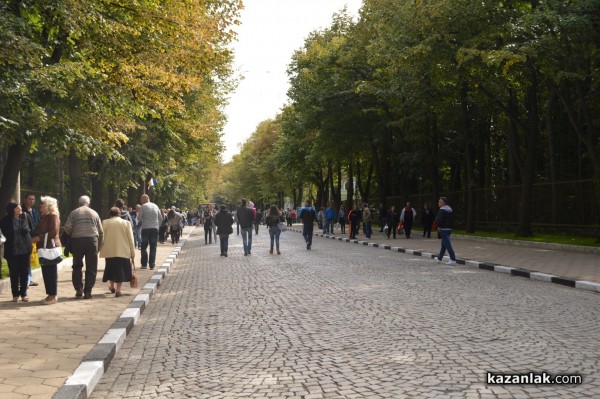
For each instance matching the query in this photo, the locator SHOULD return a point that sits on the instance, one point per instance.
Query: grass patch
(545, 238)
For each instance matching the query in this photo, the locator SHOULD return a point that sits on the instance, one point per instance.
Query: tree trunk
(76, 187)
(552, 163)
(469, 158)
(95, 166)
(350, 190)
(10, 176)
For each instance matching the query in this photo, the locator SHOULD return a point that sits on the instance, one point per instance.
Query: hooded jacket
(445, 218)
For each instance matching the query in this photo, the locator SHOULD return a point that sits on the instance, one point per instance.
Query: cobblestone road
(346, 320)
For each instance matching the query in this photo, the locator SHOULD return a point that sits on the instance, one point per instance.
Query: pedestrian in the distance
(150, 218)
(308, 215)
(272, 221)
(342, 219)
(354, 217)
(118, 249)
(367, 221)
(407, 217)
(445, 222)
(224, 224)
(329, 219)
(427, 218)
(392, 220)
(245, 217)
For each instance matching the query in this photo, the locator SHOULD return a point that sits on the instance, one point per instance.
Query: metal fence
(568, 204)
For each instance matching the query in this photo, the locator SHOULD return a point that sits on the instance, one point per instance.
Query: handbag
(133, 283)
(34, 261)
(49, 256)
(282, 226)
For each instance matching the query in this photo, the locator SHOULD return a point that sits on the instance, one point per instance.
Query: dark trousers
(175, 234)
(50, 276)
(19, 266)
(149, 237)
(207, 235)
(427, 231)
(84, 247)
(407, 229)
(307, 232)
(224, 243)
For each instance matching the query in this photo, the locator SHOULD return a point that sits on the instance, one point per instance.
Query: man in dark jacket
(308, 216)
(445, 222)
(223, 222)
(245, 217)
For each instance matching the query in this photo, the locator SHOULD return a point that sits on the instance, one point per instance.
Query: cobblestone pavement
(345, 320)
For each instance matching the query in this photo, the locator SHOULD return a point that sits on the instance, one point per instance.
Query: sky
(270, 32)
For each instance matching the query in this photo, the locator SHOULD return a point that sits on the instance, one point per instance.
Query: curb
(84, 379)
(513, 271)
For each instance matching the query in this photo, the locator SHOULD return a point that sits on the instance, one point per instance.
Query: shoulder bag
(49, 256)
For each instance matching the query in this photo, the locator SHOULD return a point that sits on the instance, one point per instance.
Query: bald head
(144, 199)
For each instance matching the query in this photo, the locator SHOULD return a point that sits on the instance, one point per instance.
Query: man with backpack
(308, 215)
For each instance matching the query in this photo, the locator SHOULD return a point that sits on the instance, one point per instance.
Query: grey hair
(84, 200)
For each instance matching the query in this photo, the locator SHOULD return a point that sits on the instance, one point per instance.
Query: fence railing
(570, 204)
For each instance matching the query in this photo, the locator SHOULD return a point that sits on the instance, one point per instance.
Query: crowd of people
(24, 230)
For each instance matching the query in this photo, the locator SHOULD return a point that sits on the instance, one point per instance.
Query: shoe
(111, 289)
(78, 293)
(307, 246)
(151, 267)
(118, 294)
(15, 299)
(25, 298)
(87, 295)
(451, 262)
(438, 260)
(143, 267)
(33, 284)
(249, 253)
(278, 253)
(246, 254)
(225, 255)
(222, 254)
(271, 251)
(51, 302)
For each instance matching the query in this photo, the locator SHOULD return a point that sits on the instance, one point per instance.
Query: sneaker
(451, 262)
(33, 284)
(438, 260)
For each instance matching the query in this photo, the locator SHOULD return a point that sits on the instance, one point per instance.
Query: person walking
(258, 220)
(321, 218)
(367, 221)
(382, 217)
(427, 218)
(118, 248)
(329, 219)
(207, 224)
(354, 217)
(308, 215)
(137, 232)
(150, 219)
(224, 226)
(174, 221)
(342, 219)
(85, 229)
(272, 220)
(49, 228)
(17, 228)
(392, 220)
(34, 217)
(245, 217)
(445, 222)
(407, 217)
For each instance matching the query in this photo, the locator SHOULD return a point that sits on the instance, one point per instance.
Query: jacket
(223, 221)
(49, 224)
(150, 217)
(245, 216)
(118, 239)
(25, 228)
(84, 222)
(445, 218)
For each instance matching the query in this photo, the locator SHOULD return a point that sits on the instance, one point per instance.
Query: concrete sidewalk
(41, 346)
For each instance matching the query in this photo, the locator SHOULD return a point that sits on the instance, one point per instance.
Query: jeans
(307, 232)
(274, 232)
(446, 245)
(328, 226)
(149, 237)
(19, 268)
(247, 239)
(367, 229)
(137, 235)
(224, 243)
(84, 247)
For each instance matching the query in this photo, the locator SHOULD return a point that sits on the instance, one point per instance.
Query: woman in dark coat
(17, 228)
